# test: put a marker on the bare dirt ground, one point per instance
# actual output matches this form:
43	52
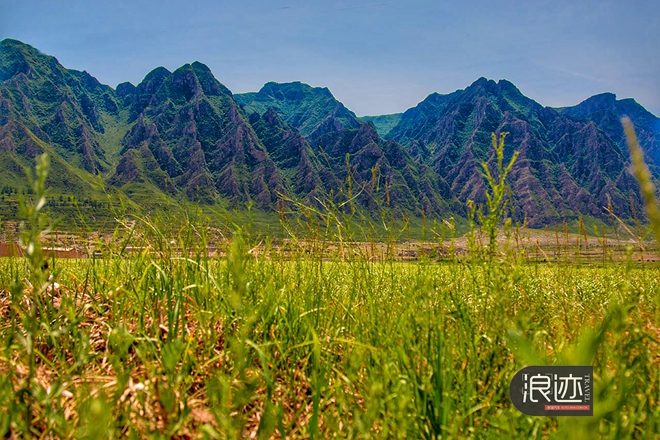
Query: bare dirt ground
530	244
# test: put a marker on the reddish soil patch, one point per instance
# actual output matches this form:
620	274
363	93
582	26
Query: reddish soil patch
14	250
10	250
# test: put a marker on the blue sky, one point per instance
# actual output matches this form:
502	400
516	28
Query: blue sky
376	56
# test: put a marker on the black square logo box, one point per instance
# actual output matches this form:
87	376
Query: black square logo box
557	390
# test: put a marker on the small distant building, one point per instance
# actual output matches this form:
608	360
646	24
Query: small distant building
63	252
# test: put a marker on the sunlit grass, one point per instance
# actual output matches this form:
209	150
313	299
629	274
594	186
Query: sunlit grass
167	345
160	338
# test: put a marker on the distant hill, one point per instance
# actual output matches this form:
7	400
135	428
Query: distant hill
303	107
183	135
606	112
66	113
569	166
384	124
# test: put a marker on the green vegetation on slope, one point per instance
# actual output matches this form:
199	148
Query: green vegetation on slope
303	107
183	136
568	167
383	123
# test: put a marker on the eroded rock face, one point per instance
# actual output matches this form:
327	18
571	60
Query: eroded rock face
605	111
185	133
305	108
45	103
200	138
569	164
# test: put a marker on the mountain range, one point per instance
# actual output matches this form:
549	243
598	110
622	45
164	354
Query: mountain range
183	135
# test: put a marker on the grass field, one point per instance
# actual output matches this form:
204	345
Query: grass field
316	338
173	345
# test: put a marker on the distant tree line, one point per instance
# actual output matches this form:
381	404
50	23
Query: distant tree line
9	190
61	201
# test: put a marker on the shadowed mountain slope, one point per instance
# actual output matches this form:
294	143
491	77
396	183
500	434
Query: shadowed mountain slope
183	135
567	166
606	112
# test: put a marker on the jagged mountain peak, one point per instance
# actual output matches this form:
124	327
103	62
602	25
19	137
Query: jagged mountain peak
606	98
499	89
184	83
17	57
208	82
482	82
592	104
199	66
157	74
153	80
293	91
606	111
608	102
125	88
9	45
161	86
9	42
505	83
60	107
306	108
586	140
484	86
138	98
183	133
